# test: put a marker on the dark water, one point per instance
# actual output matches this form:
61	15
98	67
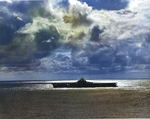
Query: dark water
25	85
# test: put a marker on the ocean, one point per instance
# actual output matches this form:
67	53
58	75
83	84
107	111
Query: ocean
39	100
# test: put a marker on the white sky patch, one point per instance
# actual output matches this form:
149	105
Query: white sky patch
53	8
10	1
19	18
138	44
67	54
77	7
136	5
25	0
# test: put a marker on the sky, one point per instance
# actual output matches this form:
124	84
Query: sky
99	38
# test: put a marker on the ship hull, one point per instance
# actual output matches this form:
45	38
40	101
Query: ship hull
86	85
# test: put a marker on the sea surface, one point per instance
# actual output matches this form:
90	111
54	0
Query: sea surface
39	100
46	85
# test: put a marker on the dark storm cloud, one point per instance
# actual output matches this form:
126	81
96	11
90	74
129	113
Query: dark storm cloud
5	28
107	4
10	22
118	56
103	56
11	50
148	38
21	8
26	48
23	48
95	34
19	51
93	56
46	41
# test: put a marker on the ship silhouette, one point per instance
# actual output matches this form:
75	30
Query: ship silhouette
82	83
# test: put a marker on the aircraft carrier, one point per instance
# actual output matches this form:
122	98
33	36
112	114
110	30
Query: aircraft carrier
82	83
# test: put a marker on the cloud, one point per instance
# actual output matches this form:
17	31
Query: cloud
19	51
10	22
110	38
46	41
58	62
77	13
25	43
114	57
28	47
95	32
9	25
